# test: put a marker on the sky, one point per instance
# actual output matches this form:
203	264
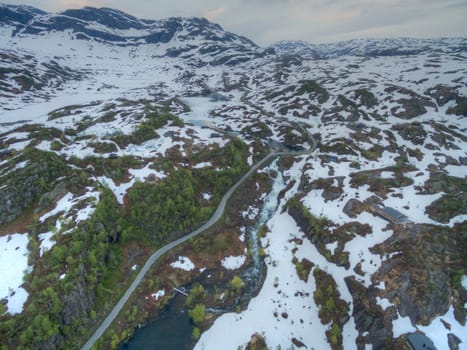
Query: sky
315	21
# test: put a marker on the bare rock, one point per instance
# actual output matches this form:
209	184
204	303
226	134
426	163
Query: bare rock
353	208
257	342
417	280
48	198
453	342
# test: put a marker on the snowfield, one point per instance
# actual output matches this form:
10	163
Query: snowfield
13	266
388	126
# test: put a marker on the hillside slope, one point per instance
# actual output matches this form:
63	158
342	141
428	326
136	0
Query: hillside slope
119	135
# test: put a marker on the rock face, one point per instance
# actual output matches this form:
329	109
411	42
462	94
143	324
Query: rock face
369	317
12	205
79	302
417	279
27	185
48	198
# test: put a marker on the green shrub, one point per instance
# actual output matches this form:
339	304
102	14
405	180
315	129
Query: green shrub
197	314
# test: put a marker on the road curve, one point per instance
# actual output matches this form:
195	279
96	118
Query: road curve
214	218
154	257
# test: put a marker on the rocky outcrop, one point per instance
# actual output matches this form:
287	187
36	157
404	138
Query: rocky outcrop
411	106
418	278
353	208
453	342
369	317
442	94
77	305
27	185
256	342
333	187
413	132
79	301
48	198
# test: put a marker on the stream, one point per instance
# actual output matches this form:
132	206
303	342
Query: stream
171	329
255	272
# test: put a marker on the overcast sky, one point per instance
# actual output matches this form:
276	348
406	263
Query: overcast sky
315	21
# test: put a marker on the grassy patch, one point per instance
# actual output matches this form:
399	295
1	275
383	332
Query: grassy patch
303	268
332	308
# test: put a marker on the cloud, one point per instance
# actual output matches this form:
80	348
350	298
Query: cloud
267	21
213	14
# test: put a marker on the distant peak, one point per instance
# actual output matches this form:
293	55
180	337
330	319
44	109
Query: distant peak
23	8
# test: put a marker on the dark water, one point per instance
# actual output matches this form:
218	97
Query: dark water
172	329
169	331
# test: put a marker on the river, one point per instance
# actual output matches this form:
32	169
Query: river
172	329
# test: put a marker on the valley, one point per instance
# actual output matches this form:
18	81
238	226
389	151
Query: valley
302	196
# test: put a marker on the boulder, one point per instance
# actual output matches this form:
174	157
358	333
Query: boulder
353	208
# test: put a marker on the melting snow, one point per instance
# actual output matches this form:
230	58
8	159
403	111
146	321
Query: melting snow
464	282
159	294
383	302
46	242
13	265
233	262
207	196
302	314
202	165
402	325
183	263
438	333
332	246
118	190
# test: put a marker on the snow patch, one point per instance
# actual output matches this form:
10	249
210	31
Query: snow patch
183	263
13	266
233	262
464	282
47	242
159	294
332	246
383	302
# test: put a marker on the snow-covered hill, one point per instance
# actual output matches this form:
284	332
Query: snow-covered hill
194	38
372	47
96	104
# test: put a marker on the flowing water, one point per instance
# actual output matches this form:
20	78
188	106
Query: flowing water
269	208
172	329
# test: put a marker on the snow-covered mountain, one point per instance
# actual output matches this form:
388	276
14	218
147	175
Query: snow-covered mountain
119	135
186	37
372	47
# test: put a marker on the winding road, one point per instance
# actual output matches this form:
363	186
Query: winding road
160	252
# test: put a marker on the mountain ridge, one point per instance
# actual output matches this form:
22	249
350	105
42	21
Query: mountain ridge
370	47
31	20
111	147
